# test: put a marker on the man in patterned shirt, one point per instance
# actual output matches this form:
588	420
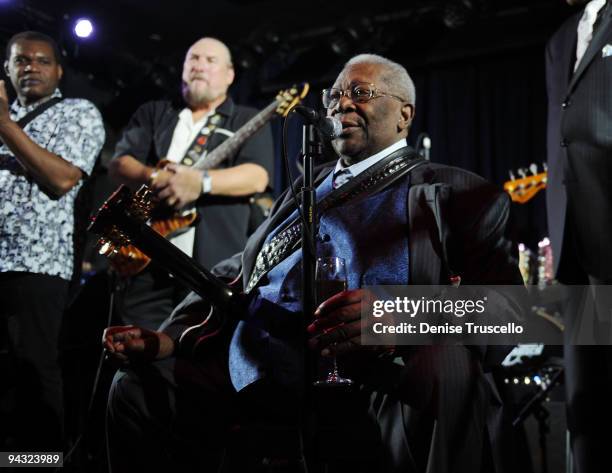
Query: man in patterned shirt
48	145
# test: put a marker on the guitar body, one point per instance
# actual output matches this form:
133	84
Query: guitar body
212	334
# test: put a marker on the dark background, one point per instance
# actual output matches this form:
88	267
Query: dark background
478	65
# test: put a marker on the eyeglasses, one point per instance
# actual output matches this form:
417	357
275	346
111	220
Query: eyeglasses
358	93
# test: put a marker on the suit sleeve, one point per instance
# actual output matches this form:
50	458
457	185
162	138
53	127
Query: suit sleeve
485	256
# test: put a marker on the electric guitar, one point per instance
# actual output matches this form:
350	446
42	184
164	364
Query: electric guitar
119	223
130	260
524	188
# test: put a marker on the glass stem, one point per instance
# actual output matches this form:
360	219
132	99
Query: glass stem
334	373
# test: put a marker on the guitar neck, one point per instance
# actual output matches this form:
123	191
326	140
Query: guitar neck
113	219
185	269
229	147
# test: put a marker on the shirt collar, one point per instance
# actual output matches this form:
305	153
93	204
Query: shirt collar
361	166
186	116
16	107
225	108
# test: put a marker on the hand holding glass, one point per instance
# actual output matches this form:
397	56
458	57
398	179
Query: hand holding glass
330	278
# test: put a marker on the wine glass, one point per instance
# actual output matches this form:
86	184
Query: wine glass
330	279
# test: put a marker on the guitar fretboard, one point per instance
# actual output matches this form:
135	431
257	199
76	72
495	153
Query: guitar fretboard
229	147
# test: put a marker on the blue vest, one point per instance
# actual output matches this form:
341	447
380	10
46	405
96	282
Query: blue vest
370	233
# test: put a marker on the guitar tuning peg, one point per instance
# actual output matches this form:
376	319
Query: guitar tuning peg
545	166
512	176
522	172
533	167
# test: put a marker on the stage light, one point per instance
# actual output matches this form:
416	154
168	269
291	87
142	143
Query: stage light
83	28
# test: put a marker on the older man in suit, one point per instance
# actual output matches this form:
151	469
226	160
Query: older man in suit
579	203
425	226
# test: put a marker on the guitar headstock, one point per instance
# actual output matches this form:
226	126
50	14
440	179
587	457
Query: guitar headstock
289	98
527	185
107	223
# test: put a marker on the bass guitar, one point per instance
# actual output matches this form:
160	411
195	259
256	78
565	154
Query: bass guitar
525	187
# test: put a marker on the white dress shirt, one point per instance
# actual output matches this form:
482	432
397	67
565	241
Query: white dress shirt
361	166
184	133
585	28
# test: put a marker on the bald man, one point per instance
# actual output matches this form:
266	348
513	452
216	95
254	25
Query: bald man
166	130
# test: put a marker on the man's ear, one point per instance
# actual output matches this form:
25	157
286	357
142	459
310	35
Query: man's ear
407	115
60	72
6	68
231	74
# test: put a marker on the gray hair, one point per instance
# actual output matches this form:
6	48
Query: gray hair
395	76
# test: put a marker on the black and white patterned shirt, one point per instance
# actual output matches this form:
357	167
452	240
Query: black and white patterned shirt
36	230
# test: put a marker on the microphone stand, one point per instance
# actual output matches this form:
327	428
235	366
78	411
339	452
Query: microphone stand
311	150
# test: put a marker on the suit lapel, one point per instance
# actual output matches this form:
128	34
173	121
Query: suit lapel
597	42
566	50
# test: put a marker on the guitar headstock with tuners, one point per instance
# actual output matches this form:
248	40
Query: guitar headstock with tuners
528	184
289	98
121	222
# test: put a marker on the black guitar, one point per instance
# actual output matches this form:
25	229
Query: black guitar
121	221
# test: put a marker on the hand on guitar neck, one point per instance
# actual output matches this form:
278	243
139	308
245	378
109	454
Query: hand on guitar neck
126	344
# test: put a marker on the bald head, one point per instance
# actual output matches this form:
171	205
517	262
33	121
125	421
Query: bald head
212	45
207	73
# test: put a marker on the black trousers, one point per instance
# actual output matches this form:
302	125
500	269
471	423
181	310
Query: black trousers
31	404
588	378
588	368
426	416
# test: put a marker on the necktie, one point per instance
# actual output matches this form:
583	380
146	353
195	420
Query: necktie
585	28
342	177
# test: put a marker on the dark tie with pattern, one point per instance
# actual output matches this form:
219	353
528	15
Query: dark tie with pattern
342	177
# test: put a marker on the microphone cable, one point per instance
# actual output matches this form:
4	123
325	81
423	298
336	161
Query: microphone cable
94	389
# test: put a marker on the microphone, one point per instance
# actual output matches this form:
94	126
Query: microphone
329	127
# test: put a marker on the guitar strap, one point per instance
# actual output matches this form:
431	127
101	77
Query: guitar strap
373	179
200	144
28	117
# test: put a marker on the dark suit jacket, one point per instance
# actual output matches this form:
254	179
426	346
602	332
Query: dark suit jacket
579	194
457	224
